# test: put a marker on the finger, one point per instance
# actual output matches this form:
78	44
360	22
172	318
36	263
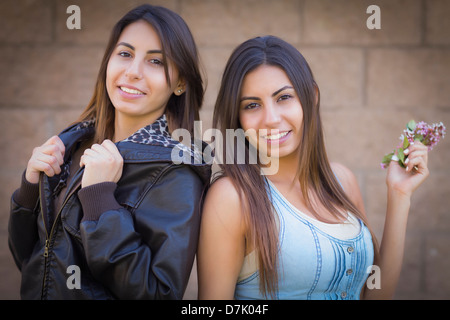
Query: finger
109	144
101	150
106	153
55	140
417	143
60	144
415	153
417	163
51	150
42	166
417	146
85	159
91	152
50	160
111	147
97	154
113	151
418	154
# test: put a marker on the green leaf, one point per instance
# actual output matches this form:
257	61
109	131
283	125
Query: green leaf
405	142
387	158
411	125
401	157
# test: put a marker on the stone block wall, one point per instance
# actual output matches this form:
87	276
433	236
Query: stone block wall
372	83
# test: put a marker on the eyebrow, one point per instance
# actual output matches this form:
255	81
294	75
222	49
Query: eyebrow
133	48
273	94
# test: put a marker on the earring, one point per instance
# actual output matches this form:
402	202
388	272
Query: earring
180	90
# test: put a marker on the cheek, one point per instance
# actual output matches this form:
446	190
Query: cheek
249	125
109	85
111	73
157	82
295	116
246	121
300	122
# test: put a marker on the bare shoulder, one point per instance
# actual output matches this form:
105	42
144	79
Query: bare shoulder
346	177
344	174
223	205
223	191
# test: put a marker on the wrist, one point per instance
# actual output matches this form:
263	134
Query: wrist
32	176
398	199
398	193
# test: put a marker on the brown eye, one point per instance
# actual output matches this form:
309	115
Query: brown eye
284	97
124	54
156	62
251	106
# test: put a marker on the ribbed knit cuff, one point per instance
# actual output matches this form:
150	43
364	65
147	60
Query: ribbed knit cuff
96	199
27	195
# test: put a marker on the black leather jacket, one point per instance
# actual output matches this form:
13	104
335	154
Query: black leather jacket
143	248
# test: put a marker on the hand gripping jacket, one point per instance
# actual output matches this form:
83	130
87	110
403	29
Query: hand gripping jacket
142	246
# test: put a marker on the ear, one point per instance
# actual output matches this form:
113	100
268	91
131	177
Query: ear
180	88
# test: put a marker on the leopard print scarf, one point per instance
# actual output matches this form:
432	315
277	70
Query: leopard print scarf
157	134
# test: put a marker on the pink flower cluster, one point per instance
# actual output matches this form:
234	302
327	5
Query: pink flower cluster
429	135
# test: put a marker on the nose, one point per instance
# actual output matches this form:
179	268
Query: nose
272	115
134	70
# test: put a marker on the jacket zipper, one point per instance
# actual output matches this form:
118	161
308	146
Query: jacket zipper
49	236
46	248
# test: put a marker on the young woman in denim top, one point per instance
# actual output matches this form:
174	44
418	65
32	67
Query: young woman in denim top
301	232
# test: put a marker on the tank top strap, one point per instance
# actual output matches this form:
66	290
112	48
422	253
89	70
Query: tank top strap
339	181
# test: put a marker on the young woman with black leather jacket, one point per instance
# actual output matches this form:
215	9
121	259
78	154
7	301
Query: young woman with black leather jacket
103	212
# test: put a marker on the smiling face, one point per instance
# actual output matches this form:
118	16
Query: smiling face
270	106
135	78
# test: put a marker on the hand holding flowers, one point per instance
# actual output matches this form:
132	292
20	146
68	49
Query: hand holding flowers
428	135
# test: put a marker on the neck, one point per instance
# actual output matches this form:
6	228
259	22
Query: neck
286	171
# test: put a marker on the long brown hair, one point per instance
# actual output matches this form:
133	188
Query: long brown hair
313	172
178	46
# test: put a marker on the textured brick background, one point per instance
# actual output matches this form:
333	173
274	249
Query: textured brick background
372	83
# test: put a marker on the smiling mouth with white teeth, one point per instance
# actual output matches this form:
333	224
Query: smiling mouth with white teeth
277	136
131	91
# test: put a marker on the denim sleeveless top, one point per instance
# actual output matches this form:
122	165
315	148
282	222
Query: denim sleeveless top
313	265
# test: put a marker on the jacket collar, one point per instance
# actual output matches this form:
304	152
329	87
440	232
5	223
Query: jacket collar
157	135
